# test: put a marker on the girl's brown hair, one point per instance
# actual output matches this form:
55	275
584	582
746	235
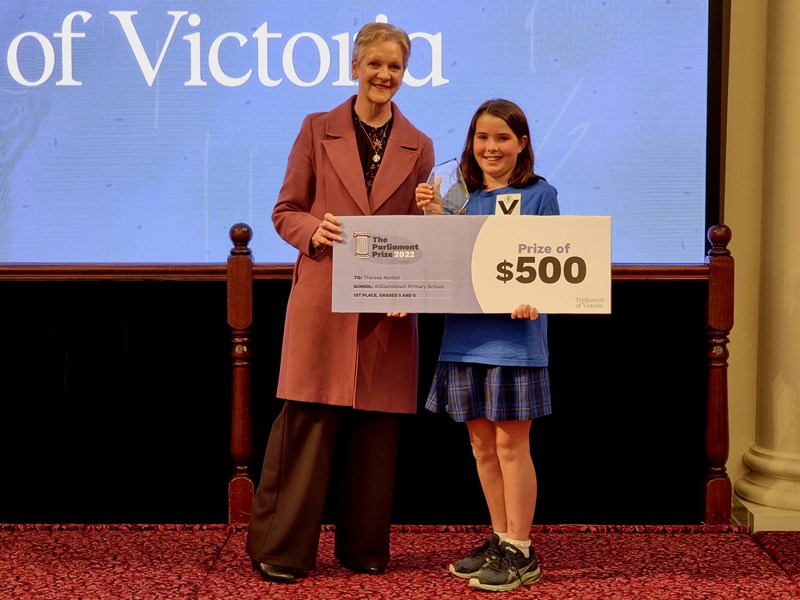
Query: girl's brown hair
513	115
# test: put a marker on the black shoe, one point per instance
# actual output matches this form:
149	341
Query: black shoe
508	571
480	557
276	573
370	570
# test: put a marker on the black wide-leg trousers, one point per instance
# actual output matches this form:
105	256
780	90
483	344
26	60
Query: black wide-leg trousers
311	446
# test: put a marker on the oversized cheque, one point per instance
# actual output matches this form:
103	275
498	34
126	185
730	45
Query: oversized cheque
473	264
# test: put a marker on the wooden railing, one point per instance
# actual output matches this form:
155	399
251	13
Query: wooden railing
717	271
240	319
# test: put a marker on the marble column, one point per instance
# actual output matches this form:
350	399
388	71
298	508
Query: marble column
768	496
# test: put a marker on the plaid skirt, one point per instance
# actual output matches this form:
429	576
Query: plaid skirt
468	391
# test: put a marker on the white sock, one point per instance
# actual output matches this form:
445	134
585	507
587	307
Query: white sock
523	545
503	536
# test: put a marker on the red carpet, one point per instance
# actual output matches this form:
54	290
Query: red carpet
578	562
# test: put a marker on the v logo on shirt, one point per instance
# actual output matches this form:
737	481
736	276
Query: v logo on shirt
508	204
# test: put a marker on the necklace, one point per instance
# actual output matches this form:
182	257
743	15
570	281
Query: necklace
376	158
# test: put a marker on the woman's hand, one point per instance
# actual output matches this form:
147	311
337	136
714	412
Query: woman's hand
525	311
396	314
327	233
429	198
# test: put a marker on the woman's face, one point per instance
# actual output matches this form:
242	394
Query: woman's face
496	148
379	72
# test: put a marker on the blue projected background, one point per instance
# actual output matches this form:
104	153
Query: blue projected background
140	131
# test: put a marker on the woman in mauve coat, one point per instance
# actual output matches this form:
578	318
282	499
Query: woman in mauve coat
345	377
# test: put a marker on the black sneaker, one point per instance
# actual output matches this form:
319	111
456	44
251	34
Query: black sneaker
508	571
481	556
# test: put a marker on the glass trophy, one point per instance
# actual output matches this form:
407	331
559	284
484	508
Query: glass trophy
453	190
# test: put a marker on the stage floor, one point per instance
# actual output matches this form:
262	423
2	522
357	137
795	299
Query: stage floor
578	562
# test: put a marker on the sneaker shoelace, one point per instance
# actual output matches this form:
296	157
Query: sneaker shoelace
504	562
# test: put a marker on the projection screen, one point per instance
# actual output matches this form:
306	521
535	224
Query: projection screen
140	131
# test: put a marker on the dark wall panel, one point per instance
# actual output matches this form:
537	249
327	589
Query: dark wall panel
115	407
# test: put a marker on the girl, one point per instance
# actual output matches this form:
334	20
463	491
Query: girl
492	370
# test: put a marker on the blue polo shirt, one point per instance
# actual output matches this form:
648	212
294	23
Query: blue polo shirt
497	339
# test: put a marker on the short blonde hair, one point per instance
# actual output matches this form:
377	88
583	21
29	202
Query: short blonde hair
373	33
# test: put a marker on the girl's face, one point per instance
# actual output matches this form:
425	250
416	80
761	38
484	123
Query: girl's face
495	148
379	72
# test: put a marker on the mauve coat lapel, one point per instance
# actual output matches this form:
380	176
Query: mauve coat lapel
398	161
342	151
